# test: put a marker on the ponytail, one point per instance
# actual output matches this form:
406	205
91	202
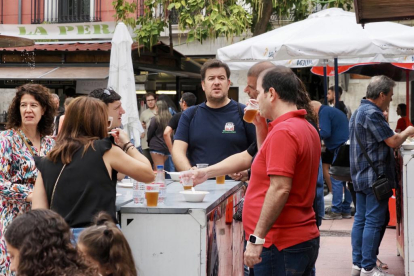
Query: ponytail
105	243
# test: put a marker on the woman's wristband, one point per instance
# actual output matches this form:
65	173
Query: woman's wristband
125	145
130	146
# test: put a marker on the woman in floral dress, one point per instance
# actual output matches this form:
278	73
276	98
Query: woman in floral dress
30	120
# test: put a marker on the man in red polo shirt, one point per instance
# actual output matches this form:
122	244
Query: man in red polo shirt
278	217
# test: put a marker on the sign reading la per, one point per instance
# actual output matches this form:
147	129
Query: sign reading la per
72	31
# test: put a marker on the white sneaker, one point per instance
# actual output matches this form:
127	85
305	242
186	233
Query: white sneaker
328	197
376	271
356	270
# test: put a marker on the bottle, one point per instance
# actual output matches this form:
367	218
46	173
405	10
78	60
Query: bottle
138	192
160	180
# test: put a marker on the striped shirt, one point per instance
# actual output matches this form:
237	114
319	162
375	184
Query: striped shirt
372	129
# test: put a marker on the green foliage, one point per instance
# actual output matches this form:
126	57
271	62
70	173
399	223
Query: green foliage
211	18
203	19
123	12
295	10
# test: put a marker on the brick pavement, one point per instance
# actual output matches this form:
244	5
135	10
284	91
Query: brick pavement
335	254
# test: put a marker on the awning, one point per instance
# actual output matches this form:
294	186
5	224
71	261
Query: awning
184	74
53	73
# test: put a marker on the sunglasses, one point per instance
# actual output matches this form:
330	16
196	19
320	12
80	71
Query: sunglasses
110	119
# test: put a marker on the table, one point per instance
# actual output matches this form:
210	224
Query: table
183	238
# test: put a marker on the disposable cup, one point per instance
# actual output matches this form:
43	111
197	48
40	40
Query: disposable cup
250	111
220	179
151	194
186	180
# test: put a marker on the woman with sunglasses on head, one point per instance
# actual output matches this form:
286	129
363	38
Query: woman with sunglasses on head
29	123
77	179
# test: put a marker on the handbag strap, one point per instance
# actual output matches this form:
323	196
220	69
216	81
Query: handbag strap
25	142
54	187
363	148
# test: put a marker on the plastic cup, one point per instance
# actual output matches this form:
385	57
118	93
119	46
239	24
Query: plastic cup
250	111
151	194
220	179
186	180
201	166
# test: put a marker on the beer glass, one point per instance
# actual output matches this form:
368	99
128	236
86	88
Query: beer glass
186	180
151	194
250	111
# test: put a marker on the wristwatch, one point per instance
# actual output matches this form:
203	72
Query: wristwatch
256	240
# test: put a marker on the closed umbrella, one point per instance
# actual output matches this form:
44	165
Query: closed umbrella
122	80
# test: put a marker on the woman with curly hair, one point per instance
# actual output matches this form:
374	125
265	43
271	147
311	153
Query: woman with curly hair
29	123
105	247
39	244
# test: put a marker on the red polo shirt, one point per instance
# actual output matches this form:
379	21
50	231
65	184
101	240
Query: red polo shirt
292	148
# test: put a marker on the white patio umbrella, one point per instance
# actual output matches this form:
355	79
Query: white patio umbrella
328	34
331	34
121	79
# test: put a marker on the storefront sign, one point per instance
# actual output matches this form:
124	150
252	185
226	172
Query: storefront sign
86	86
75	31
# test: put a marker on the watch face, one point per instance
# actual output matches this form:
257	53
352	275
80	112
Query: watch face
252	239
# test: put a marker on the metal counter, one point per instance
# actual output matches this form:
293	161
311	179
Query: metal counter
175	203
182	238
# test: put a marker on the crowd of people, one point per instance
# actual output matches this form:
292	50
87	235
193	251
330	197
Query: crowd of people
58	172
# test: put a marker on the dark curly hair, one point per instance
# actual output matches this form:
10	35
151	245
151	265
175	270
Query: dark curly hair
44	97
105	243
303	102
43	239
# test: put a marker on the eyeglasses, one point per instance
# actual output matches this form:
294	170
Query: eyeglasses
151	100
110	119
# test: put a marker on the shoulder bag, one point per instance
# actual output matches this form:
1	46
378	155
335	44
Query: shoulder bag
54	187
340	167
381	187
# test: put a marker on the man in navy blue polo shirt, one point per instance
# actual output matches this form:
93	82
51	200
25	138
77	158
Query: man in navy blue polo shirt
378	139
333	129
213	130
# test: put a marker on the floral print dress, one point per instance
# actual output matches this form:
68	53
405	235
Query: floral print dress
17	178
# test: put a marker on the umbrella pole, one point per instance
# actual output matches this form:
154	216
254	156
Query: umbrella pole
325	85
407	96
336	82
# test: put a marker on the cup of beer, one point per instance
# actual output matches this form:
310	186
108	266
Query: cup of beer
151	194
250	111
186	180
220	179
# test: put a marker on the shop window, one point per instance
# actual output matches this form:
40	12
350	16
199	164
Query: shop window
65	11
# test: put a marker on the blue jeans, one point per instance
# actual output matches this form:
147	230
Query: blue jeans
75	233
295	260
339	205
366	232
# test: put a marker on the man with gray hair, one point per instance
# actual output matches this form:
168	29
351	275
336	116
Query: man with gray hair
377	138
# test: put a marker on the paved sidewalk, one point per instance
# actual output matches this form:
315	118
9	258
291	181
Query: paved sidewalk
335	253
